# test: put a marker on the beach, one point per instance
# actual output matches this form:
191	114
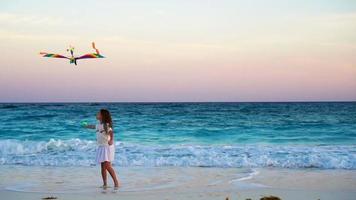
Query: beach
181	151
179	100
21	182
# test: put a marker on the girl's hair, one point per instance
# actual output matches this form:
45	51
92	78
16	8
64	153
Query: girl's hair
106	119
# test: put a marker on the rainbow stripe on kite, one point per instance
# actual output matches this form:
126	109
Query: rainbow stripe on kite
51	55
72	58
90	55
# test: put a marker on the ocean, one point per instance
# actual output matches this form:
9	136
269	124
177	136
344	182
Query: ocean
227	135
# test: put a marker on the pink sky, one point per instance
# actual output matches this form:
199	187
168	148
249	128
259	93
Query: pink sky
192	51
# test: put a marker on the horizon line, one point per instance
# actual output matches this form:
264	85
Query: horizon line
183	102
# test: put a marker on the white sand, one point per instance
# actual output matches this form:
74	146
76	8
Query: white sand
28	183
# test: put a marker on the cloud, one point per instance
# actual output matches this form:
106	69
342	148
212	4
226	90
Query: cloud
37	20
21	36
346	17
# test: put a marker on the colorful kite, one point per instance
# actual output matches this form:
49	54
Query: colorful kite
74	59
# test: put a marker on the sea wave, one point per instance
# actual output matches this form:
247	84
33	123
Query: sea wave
77	152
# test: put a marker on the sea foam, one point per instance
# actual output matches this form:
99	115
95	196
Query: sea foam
77	152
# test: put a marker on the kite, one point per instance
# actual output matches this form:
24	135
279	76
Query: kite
74	59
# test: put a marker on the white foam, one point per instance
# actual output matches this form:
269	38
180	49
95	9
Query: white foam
76	152
253	173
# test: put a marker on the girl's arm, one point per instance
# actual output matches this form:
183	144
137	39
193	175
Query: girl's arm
111	133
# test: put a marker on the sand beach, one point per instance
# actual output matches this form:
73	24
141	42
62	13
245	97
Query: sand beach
35	183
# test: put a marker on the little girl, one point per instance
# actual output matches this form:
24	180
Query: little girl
106	150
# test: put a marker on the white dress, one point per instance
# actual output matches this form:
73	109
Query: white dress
105	152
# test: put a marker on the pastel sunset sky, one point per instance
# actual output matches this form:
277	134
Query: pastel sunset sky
194	50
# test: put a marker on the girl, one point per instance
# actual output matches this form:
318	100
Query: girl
106	149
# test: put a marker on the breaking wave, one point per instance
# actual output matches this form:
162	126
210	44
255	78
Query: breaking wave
76	152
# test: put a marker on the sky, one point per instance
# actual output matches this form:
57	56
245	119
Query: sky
177	50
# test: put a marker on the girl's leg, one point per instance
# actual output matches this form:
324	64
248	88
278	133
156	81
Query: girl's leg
104	174
112	173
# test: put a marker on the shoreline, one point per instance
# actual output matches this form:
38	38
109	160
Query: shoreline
30	182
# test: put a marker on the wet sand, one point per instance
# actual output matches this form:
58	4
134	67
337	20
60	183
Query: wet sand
22	182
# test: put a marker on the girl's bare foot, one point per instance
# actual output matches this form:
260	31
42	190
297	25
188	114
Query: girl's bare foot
117	185
104	187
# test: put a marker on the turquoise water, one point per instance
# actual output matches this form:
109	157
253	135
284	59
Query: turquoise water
291	135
